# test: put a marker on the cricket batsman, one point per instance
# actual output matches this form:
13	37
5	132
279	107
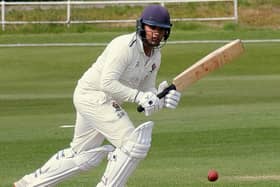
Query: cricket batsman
125	72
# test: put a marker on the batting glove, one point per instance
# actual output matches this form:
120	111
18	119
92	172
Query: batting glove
170	100
149	101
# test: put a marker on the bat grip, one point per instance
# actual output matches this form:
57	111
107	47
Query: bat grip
159	95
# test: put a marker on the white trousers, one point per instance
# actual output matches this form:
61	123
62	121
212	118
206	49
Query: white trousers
98	117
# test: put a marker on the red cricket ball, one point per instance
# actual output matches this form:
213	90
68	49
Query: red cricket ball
213	175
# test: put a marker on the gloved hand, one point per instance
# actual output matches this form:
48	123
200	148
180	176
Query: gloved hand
149	101
170	100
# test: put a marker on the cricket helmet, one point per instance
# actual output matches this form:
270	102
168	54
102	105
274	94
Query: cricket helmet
154	15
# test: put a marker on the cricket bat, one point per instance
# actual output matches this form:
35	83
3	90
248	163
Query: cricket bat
201	68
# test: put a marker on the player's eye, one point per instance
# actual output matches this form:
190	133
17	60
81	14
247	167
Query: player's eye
157	29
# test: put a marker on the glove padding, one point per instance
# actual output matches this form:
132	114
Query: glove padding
171	99
149	101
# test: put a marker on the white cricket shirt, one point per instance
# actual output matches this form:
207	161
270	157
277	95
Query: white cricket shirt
122	69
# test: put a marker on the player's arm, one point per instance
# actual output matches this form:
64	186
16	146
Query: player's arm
116	61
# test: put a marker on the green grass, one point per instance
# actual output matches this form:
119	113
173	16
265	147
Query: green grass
252	14
228	121
104	37
258	2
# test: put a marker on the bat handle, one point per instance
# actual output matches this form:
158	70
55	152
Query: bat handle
159	95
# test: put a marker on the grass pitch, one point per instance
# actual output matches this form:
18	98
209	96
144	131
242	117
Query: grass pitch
228	121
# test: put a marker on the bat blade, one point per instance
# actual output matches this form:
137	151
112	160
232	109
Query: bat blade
209	63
